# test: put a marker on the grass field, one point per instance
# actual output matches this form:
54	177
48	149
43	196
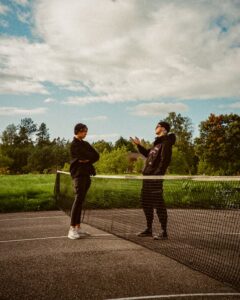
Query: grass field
26	192
36	192
121	193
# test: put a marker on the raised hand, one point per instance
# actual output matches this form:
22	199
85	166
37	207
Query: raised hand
135	140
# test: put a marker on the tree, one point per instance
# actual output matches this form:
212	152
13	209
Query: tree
114	162
121	142
42	135
5	163
138	165
61	152
20	154
40	159
17	144
25	130
102	145
8	138
182	127
9	135
219	144
179	164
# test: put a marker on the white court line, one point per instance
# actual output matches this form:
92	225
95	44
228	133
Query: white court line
32	218
53	237
178	296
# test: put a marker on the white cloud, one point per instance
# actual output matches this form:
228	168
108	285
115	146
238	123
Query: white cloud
50	100
21	87
25	66
235	105
4	9
145	49
94	99
131	50
13	111
157	109
96	118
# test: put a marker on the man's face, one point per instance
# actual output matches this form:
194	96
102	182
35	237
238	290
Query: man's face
159	129
82	134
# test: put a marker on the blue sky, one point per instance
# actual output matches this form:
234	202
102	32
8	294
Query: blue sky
119	67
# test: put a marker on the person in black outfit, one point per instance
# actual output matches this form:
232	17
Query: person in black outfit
83	156
157	162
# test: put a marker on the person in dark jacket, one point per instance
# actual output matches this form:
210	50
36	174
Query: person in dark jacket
83	156
158	159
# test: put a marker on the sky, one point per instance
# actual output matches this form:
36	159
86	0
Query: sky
119	66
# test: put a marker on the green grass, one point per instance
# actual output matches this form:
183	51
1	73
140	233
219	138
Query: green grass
27	192
121	193
177	194
36	192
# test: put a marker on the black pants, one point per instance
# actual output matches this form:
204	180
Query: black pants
81	186
152	197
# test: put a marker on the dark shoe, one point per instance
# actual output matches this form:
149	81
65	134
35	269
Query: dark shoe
146	232
161	236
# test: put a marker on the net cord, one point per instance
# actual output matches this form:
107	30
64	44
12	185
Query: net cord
177	177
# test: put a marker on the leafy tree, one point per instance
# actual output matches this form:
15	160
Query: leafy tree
179	164
9	135
25	131
17	145
114	162
219	144
19	153
61	152
102	145
138	165
121	142
8	138
182	127
5	163
20	157
40	159
42	135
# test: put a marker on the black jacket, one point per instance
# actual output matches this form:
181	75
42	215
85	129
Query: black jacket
159	156
81	150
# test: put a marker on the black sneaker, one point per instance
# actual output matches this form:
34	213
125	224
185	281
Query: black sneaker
161	236
146	232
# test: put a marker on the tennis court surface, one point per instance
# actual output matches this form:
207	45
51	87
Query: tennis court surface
38	261
203	214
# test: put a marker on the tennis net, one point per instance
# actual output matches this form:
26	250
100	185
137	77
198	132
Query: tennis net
203	216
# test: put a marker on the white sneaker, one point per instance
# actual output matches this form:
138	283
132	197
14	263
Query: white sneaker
73	234
82	232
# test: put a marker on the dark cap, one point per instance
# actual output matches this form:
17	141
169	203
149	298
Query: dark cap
80	127
165	125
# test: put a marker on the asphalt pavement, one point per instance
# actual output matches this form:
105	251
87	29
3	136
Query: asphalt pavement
38	261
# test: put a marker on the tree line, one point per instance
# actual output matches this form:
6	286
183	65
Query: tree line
27	148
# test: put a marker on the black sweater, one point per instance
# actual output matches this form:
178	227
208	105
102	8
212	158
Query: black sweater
159	156
82	150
